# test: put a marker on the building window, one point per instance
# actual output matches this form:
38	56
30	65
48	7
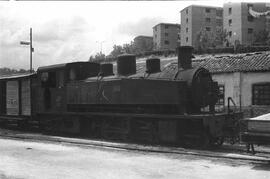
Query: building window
166	26
249	5
250	30
155	28
48	79
61	80
207	10
221	95
207	19
230	11
186	20
261	94
219	13
230	33
230	22
166	42
221	98
208	29
186	30
186	39
186	11
250	18
219	22
166	34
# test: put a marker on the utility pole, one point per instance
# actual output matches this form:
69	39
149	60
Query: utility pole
101	42
31	49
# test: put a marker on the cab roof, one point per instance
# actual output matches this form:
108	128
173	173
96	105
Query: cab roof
62	66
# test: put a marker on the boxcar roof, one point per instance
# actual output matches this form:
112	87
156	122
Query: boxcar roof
17	76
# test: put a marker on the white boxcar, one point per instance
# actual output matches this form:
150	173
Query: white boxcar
256	130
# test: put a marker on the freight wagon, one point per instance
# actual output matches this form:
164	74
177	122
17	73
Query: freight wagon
16	99
256	130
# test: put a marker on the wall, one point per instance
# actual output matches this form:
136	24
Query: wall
226	80
237	84
156	37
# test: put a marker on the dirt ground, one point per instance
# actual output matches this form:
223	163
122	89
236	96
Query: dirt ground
25	159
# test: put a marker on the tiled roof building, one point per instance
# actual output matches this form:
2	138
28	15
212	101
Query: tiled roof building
238	63
244	77
253	62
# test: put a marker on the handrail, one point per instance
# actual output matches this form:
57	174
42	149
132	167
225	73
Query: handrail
229	99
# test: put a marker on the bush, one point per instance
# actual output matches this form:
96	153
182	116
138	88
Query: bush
238	49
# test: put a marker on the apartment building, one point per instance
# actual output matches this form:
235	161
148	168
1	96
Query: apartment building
240	24
166	36
268	18
196	19
143	43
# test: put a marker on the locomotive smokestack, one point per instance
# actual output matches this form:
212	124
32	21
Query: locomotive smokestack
184	57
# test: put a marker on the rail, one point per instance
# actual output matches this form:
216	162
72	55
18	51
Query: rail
223	153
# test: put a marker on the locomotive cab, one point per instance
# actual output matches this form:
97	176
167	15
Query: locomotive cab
53	80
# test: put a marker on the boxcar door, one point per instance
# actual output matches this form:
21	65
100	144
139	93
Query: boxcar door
12	97
2	97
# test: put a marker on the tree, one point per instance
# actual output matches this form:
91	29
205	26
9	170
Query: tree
8	71
125	48
204	40
117	50
221	37
129	48
99	57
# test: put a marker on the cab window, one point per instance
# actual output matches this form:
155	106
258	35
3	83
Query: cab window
48	79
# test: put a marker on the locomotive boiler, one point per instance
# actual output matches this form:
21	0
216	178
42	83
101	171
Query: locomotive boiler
156	106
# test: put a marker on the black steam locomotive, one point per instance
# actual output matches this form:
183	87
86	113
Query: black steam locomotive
154	106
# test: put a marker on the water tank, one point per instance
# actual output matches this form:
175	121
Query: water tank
152	65
106	69
126	64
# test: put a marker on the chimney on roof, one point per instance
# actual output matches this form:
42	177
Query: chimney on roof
184	57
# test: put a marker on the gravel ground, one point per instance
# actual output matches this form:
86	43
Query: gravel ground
24	159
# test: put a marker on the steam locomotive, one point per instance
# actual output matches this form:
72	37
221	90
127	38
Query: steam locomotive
154	106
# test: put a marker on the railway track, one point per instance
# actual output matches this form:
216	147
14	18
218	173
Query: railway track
225	152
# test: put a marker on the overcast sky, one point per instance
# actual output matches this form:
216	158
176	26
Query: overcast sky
72	31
